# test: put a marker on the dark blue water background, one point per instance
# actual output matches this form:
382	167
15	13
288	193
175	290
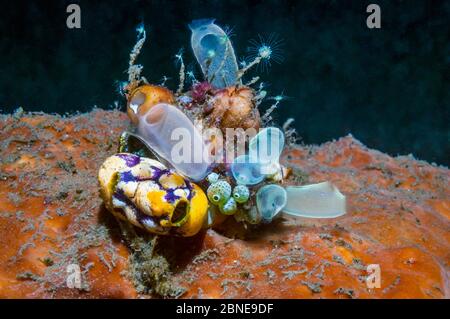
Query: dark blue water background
388	87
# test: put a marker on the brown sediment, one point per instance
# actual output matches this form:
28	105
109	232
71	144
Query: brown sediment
51	216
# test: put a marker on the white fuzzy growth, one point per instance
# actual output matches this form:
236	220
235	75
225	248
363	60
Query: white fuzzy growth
134	70
290	132
182	73
252	81
267	117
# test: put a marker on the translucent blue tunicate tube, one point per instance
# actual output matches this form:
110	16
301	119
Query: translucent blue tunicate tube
214	53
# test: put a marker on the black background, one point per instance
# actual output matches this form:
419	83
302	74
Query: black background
388	87
337	308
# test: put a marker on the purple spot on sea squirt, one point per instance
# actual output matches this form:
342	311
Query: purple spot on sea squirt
142	218
128	177
170	196
130	159
190	188
158	172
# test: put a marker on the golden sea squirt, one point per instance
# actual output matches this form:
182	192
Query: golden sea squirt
145	193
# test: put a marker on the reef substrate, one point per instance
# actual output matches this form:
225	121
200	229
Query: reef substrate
52	218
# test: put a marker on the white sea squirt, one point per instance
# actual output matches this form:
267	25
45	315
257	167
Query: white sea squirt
214	52
246	171
266	148
322	200
172	135
270	200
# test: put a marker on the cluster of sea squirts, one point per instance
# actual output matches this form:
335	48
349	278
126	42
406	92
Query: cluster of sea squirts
159	193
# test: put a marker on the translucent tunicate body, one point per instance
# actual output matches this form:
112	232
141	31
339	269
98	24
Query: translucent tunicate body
246	171
214	53
322	200
270	200
213	177
266	148
172	135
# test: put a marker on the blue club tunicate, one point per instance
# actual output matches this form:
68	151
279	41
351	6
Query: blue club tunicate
246	171
214	53
212	178
266	147
270	200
